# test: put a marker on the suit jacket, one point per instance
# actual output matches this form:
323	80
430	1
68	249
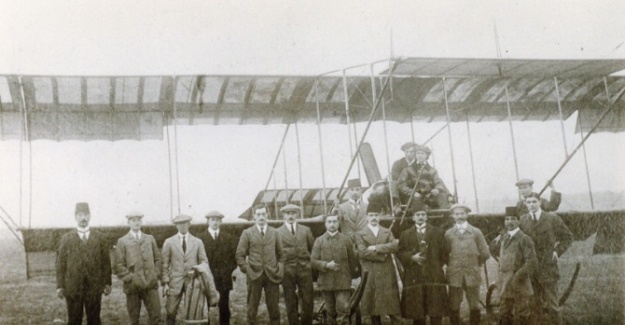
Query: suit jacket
546	205
176	264
138	263
350	219
340	249
517	262
381	294
257	254
550	235
428	275
467	253
296	248
428	181
398	167
221	259
83	267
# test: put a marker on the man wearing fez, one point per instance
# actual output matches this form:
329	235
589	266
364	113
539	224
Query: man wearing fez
376	245
297	241
183	255
422	182
138	262
260	256
422	253
333	256
525	187
352	214
220	247
83	269
468	251
517	261
551	239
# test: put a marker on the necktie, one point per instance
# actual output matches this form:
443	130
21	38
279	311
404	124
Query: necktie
184	245
533	217
84	238
262	233
216	234
504	240
293	229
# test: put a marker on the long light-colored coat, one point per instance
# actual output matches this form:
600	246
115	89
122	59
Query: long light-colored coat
257	254
138	262
340	249
381	294
517	262
549	234
176	264
467	253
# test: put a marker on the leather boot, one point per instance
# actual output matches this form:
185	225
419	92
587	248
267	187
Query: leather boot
454	317
474	317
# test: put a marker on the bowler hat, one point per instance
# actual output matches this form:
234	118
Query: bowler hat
214	214
408	145
353	183
524	181
182	218
82	207
289	207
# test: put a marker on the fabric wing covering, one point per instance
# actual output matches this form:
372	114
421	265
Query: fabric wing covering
122	107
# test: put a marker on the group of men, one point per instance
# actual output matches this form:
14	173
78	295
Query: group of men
439	267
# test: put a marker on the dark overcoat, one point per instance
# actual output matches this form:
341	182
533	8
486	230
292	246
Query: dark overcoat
381	294
517	262
550	234
220	254
425	291
83	267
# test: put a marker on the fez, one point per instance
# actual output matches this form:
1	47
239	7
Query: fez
289	207
82	207
353	183
374	208
214	214
182	218
524	181
134	214
511	211
459	206
416	206
408	145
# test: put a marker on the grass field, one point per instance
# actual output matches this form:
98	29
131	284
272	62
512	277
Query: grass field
598	298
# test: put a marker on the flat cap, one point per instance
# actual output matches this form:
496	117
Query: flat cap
182	218
460	206
214	214
524	181
134	214
353	183
82	207
408	145
424	149
289	207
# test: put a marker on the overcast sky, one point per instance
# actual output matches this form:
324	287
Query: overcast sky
224	167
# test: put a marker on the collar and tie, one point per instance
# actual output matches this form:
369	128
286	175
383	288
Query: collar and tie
421	229
262	231
293	229
184	244
214	234
84	235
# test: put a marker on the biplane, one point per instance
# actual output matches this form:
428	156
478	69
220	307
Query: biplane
409	91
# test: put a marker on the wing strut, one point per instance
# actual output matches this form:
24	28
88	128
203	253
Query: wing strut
323	171
603	115
451	147
477	204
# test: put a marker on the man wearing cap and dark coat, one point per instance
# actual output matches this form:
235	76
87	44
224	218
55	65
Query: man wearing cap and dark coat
552	238
138	262
352	214
514	250
220	247
422	182
376	245
183	255
83	269
261	257
410	150
422	252
333	256
525	187
468	251
297	241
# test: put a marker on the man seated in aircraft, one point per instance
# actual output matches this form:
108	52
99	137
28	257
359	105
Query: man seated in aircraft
410	151
421	181
525	188
352	213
